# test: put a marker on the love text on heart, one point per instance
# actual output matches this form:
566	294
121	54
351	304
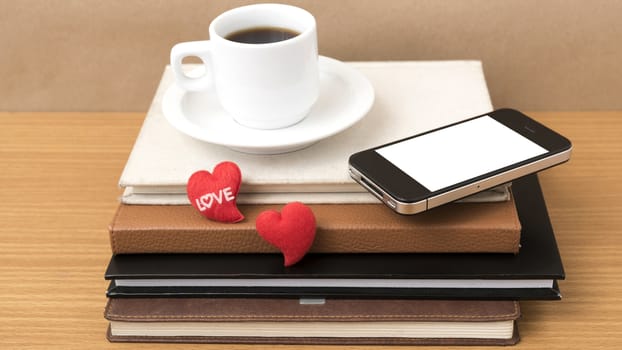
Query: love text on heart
208	200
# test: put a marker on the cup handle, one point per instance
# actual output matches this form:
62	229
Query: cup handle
200	49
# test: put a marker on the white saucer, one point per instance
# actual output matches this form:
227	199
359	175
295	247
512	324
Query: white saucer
345	98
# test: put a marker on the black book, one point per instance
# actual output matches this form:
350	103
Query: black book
530	274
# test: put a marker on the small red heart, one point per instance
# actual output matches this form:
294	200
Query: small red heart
292	230
214	195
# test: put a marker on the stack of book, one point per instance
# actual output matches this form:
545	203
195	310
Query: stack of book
453	275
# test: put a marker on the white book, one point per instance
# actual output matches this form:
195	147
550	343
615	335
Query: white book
410	97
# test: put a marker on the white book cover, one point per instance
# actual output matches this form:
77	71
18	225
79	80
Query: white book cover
410	97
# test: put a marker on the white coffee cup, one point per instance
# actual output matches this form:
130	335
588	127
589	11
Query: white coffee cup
261	85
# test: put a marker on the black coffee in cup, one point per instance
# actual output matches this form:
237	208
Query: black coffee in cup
262	60
262	35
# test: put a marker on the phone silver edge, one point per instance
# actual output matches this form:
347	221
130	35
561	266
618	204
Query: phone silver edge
461	192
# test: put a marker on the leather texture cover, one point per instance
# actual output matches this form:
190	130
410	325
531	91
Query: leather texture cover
538	259
178	310
341	228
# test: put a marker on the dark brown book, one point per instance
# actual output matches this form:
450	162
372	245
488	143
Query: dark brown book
341	228
312	321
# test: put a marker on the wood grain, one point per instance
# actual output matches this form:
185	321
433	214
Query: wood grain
58	192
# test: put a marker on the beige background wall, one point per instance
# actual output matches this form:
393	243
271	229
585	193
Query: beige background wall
93	55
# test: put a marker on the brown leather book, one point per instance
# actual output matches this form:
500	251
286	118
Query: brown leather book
313	321
341	228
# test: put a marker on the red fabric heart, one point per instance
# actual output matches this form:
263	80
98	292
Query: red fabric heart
292	230
214	195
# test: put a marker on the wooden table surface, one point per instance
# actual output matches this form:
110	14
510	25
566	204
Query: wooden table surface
58	178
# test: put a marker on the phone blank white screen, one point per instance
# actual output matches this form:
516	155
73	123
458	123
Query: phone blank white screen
445	157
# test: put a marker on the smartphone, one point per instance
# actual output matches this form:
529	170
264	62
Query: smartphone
430	169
